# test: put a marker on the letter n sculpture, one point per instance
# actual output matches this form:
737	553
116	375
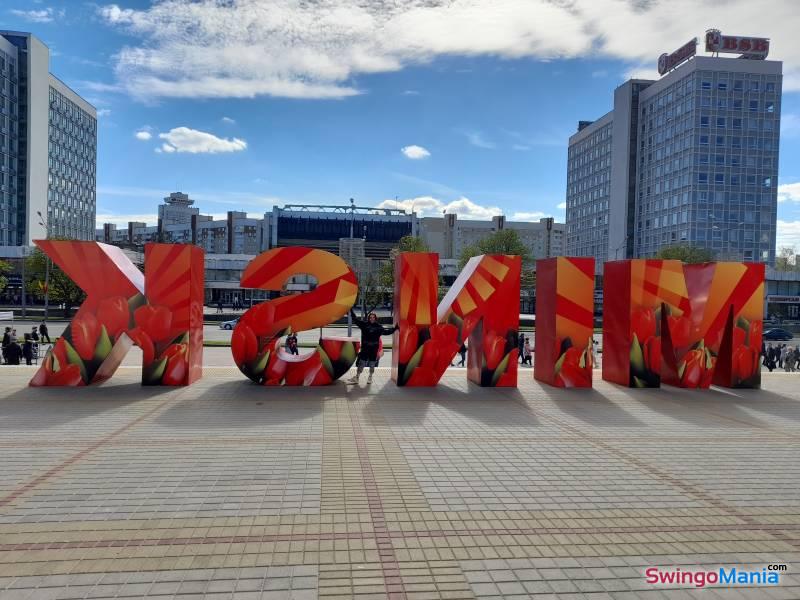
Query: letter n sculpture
564	321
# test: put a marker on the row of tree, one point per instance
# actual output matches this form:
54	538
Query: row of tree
62	290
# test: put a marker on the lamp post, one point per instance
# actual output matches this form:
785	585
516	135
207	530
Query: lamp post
46	224
737	227
352	221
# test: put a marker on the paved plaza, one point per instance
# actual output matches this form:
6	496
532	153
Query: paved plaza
229	490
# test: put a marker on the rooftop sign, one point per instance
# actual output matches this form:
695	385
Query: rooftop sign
667	62
747	47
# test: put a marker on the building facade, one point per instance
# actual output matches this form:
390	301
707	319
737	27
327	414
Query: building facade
691	158
449	236
48	148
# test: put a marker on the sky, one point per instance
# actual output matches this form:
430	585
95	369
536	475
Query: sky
462	106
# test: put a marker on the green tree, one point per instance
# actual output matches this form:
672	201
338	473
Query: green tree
5	269
686	253
407	243
505	241
785	261
62	290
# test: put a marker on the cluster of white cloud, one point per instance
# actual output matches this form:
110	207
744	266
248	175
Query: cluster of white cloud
788	234
789	192
415	152
44	15
296	48
192	141
428	206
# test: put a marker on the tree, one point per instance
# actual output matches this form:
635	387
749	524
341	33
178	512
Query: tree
505	241
686	253
5	269
785	261
62	290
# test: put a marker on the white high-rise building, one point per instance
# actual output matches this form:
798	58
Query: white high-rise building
48	148
691	158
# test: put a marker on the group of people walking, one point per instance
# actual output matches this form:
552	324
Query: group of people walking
14	349
780	356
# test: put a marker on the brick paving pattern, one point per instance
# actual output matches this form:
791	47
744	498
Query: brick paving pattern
229	490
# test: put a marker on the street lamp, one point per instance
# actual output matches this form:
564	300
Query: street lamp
727	254
46	224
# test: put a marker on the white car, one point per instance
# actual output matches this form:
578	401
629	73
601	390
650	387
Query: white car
229	324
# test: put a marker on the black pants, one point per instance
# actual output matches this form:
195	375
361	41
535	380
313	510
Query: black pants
44	335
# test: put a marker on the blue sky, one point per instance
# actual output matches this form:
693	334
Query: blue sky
463	106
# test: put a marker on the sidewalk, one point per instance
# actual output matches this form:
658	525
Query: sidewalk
237	491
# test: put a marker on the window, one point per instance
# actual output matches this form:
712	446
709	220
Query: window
719	179
770	87
737	104
702	178
703	121
753	105
770	107
706	85
704	140
722	86
721	122
767	182
754	85
737	85
737	123
720	140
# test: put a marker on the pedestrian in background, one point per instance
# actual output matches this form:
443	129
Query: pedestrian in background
463	352
27	349
44	333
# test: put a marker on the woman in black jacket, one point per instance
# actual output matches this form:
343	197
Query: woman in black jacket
371	332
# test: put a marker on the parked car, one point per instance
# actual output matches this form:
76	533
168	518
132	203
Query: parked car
778	334
229	324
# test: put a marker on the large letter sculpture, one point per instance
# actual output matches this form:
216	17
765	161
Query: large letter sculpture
689	325
161	312
482	307
719	341
564	321
255	338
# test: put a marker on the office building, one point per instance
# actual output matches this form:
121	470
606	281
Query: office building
449	236
690	158
48	148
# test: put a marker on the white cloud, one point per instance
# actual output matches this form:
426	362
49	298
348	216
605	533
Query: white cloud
562	206
528	216
295	48
789	192
788	233
228	121
600	73
410	93
184	139
103	112
520	147
790	125
46	15
143	134
476	139
428	206
415	152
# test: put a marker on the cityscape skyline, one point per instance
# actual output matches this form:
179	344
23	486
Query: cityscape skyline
398	140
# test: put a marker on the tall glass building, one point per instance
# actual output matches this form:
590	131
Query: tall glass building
691	158
48	148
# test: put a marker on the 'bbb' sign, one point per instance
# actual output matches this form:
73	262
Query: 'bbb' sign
749	47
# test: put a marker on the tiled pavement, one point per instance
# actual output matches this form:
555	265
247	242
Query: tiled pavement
228	490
